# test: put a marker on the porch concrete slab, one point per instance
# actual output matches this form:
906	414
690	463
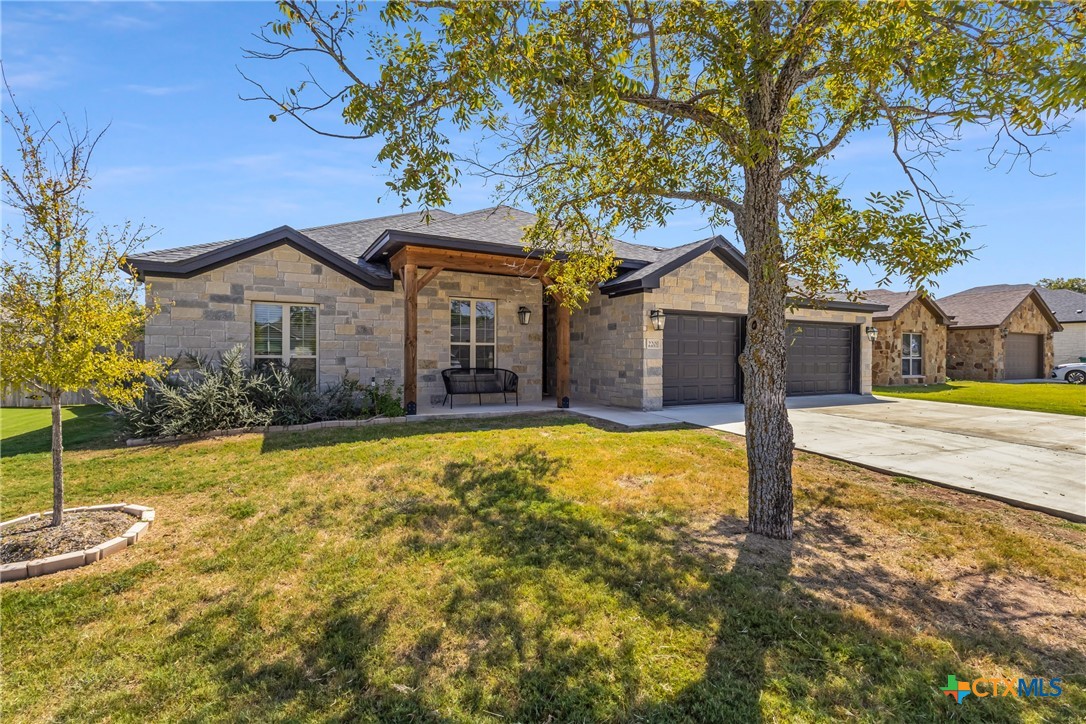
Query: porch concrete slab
1031	459
618	415
487	409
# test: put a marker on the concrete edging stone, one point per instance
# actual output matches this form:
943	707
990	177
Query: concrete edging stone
65	561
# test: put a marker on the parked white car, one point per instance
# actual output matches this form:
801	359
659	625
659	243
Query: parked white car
1075	372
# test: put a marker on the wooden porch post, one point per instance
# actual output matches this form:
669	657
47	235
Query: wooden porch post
408	276
562	391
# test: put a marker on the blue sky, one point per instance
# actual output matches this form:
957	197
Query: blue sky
185	154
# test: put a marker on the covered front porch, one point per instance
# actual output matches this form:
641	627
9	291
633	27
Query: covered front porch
480	310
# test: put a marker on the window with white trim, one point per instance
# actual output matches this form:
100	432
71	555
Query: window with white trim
472	333
286	335
912	355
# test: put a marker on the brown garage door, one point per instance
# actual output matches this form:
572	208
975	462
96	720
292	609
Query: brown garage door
820	358
700	358
1022	357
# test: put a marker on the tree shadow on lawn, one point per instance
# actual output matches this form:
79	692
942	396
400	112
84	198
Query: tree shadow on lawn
550	610
92	428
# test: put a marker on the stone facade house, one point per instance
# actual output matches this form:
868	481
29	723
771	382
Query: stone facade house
911	344
404	297
999	332
1069	308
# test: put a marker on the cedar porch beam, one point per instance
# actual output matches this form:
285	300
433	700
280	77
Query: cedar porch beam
408	273
467	261
562	387
429	276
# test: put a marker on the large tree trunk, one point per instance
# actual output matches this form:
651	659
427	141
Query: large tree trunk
769	434
58	463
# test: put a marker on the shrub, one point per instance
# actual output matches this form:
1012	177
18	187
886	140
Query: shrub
230	394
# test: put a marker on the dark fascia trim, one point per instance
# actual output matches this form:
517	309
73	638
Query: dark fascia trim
391	240
255	244
717	245
835	305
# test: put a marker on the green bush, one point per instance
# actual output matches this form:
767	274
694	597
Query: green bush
206	396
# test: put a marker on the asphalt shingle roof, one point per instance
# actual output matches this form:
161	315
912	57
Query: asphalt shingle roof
497	225
663	258
985	306
1066	304
896	301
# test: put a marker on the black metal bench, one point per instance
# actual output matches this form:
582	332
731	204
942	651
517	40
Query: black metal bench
479	381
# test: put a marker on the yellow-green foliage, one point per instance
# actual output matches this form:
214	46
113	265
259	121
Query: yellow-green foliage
70	311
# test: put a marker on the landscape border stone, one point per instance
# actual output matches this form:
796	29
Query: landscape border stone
19	570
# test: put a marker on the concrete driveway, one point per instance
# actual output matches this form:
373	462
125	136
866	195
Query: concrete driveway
1031	459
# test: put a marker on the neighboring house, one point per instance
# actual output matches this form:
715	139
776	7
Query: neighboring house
1068	307
911	343
397	297
999	332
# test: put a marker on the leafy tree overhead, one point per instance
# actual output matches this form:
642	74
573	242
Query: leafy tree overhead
608	116
69	311
1075	284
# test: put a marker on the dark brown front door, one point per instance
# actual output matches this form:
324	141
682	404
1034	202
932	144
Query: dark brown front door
700	358
1022	357
820	358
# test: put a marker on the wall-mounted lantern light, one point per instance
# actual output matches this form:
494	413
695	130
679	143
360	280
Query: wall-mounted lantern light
872	333
1004	332
524	315
657	316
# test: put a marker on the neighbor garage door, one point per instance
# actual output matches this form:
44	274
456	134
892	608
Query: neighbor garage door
1022	357
820	358
700	358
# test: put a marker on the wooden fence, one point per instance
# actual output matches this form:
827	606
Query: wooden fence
26	399
80	397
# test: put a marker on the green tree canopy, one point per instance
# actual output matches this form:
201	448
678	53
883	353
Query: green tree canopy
1075	284
612	115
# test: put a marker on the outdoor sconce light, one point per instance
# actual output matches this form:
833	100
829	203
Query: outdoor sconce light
872	333
524	315
1003	332
657	316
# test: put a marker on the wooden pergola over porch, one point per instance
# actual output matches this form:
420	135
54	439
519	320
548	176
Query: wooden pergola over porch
416	266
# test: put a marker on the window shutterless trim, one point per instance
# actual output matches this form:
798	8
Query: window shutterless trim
473	344
287	355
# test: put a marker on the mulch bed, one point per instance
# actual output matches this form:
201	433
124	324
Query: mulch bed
79	531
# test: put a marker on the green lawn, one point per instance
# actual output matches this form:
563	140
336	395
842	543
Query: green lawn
29	429
532	569
1041	397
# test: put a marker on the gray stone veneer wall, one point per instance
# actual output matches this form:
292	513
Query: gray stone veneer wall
607	350
617	357
360	330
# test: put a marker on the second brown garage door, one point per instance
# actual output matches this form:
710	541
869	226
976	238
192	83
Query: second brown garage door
700	359
1022	357
820	358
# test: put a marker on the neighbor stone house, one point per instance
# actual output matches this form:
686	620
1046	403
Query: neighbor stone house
912	336
999	332
404	297
1069	308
